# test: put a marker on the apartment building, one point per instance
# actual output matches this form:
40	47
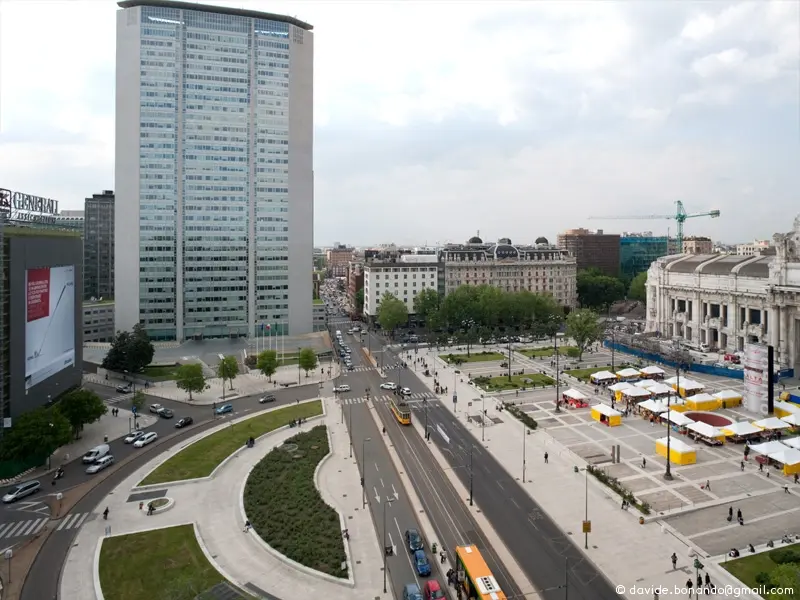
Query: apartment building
753	248
592	249
698	245
338	259
402	275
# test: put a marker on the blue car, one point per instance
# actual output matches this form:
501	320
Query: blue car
421	563
411	592
225	408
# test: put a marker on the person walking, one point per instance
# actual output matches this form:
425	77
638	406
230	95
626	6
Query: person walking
105	514
247	526
674	559
546	457
689	586
730	514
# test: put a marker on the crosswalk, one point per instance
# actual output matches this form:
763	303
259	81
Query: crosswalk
413	399
19	529
360	369
73	521
118	399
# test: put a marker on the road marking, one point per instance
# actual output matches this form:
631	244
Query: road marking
4	528
377	495
17	526
376	467
396	495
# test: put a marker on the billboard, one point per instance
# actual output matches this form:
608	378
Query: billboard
756	378
49	322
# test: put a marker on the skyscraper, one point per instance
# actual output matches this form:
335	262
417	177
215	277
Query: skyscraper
98	246
214	170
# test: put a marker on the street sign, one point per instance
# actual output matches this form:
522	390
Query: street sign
455	398
587	527
133	409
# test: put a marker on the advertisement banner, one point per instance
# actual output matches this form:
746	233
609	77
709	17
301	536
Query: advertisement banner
49	322
756	378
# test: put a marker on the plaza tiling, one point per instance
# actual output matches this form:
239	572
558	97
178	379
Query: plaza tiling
214	506
687	515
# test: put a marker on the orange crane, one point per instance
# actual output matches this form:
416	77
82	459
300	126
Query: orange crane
680	217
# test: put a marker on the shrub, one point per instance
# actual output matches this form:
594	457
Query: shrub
782	556
521	415
624	493
250	361
762	578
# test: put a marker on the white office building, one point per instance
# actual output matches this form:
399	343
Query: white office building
402	275
214	170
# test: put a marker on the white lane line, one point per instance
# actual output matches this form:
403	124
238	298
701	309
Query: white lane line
17	526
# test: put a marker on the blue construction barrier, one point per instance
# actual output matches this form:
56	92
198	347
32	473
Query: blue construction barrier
695	367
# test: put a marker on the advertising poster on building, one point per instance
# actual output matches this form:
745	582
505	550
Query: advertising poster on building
49	322
756	378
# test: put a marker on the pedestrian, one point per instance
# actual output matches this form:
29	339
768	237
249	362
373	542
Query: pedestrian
674	559
105	514
708	584
546	457
796	478
644	463
247	526
699	582
730	514
689	586
708	484
760	467
741	464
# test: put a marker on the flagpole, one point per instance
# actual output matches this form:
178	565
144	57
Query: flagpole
283	345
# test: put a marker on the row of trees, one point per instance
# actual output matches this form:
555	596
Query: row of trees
598	291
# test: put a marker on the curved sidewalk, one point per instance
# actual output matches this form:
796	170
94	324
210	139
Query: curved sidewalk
214	505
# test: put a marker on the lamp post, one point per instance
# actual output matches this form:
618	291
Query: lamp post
425	410
524	450
350	426
385	546
558	382
364	472
483	418
9	556
298	365
668	471
509	360
470	474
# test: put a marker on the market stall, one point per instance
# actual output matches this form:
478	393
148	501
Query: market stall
672	381
706	433
677	419
659	390
703	401
575	399
729	398
652	407
680	452
634	395
784	409
741	431
793	420
652	372
793	442
771	424
603	413
628	374
602	377
764	450
645	384
617	388
688	387
789	458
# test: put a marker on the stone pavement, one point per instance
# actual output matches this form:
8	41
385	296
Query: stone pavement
629	554
215	507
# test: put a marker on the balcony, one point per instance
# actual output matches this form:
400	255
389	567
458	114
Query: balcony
753	329
712	322
680	317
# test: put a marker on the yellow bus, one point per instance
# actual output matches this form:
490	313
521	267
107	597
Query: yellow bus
475	577
401	411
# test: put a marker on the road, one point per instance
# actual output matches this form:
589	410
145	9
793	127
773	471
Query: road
42	580
542	550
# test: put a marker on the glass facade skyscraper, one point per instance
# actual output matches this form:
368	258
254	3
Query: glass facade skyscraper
637	252
214	168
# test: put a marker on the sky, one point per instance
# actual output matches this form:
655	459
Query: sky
436	120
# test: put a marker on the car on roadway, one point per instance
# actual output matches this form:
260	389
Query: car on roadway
411	592
388	385
150	436
405	391
166	413
267	399
21	490
350	367
124	389
433	591
342	388
225	408
133	436
413	540
184	422
155	408
100	464
422	564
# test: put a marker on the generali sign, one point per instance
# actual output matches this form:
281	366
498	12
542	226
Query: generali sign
26	207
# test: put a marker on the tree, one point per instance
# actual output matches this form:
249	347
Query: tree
307	359
267	363
426	303
138	401
81	407
36	433
786	576
130	351
463	313
360	301
584	328
637	289
228	368
596	290
392	313
190	379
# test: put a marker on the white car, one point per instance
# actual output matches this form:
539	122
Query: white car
155	408
405	391
101	464
133	436
150	436
389	385
342	388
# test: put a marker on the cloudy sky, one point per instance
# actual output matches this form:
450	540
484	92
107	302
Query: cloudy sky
438	119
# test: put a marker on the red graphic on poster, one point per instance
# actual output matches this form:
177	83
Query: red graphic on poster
38	294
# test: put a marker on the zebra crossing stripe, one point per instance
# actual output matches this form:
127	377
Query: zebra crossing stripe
5	528
29	528
17	526
68	519
80	521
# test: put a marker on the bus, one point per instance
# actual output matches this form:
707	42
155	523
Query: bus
475	577
401	411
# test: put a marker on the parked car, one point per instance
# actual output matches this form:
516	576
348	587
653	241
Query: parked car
432	590
133	436
100	464
389	385
411	592
125	389
154	408
150	436
225	408
405	391
422	564
342	388
266	399
413	540
183	422
166	413
21	490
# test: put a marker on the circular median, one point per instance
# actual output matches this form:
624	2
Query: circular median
285	509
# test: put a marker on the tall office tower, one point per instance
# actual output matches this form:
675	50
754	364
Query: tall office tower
98	246
214	170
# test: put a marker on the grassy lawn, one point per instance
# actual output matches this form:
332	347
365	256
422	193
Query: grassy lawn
160	372
745	569
539	352
205	455
163	563
286	510
496	384
319	301
473	357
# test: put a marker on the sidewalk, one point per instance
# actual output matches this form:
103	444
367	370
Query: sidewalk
629	554
214	506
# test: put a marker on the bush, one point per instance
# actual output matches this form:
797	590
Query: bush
521	415
762	578
573	352
782	556
285	508
624	493
250	361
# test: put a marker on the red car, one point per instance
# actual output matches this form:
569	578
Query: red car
432	590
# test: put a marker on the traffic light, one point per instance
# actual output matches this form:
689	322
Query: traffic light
697	564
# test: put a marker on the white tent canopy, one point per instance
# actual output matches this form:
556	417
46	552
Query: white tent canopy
768	448
691	384
646	384
679	419
618	387
701	397
676	444
740	428
636	392
654	406
652	370
727	395
790	456
659	388
771	423
789	407
704	429
793	419
626	373
793	442
671	381
574	394
605	409
603	376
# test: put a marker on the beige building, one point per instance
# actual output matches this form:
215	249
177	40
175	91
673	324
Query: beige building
339	258
753	248
539	268
698	245
402	275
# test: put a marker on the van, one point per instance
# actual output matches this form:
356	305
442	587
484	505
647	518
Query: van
21	491
338	333
95	453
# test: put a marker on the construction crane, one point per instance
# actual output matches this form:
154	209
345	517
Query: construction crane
680	217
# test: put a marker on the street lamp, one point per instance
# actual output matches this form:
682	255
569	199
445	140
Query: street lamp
483	418
364	473
298	365
524	450
425	410
388	502
350	426
586	524
470	473
555	351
